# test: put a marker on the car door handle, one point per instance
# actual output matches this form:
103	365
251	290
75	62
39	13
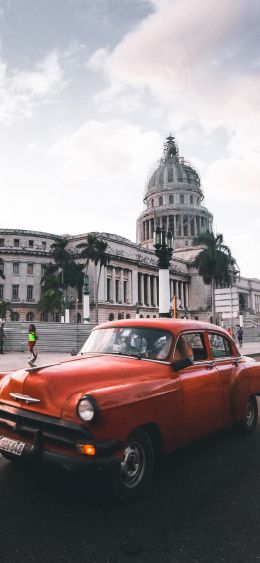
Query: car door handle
210	365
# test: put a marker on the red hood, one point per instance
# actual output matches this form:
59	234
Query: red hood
55	384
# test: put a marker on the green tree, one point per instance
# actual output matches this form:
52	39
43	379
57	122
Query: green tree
95	250
215	262
5	306
51	301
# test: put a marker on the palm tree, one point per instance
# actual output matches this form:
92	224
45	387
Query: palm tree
69	272
51	295
95	250
215	262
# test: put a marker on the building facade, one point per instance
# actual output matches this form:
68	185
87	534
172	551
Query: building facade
129	283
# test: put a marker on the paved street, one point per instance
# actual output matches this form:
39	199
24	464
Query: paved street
203	506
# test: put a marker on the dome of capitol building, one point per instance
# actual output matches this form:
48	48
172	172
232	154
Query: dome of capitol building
173	200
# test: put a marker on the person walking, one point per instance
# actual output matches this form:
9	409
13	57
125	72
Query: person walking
240	336
2	336
32	339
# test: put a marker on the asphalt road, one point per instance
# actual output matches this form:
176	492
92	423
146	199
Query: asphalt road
203	506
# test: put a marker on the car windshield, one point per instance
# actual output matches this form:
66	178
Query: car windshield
130	341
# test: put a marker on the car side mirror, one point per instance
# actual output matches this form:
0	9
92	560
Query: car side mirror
181	364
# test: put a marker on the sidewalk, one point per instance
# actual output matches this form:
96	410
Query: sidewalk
250	348
18	360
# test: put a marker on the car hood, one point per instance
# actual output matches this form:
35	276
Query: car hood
54	385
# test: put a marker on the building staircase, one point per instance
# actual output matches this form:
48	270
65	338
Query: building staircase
53	337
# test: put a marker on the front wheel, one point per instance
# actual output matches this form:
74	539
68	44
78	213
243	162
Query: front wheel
137	466
248	424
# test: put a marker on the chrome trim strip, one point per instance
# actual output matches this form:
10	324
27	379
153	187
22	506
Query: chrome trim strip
26	398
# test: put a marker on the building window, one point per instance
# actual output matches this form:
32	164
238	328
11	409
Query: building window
160	200
170	174
1	291
152	202
44	244
16	242
108	289
182	198
161	177
198	200
43	269
16	268
2	241
2	267
15	292
30	269
191	199
125	291
30	317
117	291
29	292
111	316
171	199
15	316
31	243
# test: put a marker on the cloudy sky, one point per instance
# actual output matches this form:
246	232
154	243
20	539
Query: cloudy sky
89	89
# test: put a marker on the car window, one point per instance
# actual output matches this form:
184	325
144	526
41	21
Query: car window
130	341
220	346
191	345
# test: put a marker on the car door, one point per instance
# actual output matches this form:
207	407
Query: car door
225	361
201	386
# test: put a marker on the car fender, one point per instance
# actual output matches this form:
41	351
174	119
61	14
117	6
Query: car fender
239	392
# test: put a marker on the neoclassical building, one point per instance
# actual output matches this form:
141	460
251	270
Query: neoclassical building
173	199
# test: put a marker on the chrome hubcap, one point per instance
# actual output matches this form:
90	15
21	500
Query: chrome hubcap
133	464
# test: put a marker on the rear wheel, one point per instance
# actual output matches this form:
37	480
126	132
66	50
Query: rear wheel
248	424
137	466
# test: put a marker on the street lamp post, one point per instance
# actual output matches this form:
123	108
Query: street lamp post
163	247
86	305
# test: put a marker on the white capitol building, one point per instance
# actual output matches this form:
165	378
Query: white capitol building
173	199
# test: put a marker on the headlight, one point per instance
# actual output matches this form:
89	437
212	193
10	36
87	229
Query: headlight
87	408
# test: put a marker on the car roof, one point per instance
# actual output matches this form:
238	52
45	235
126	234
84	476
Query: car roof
173	325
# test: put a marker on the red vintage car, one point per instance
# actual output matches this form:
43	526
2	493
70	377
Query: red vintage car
137	389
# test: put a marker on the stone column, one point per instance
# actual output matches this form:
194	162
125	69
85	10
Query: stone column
105	283
142	288
113	285
182	294
129	290
187	294
121	291
177	290
154	291
149	290
134	286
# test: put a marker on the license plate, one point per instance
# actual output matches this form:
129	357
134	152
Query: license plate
11	446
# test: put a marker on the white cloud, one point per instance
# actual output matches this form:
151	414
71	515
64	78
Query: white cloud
22	90
106	165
